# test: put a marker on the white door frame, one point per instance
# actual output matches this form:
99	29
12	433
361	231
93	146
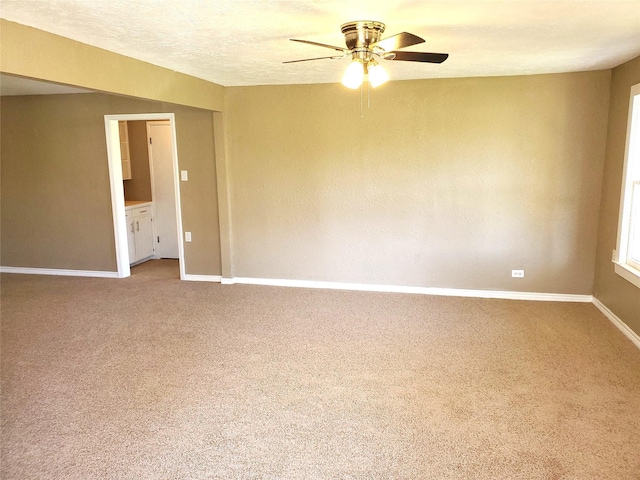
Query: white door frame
117	187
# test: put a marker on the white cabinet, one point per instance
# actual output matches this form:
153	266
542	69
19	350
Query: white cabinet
140	233
124	150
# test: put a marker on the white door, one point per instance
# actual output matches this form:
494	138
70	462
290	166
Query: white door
164	196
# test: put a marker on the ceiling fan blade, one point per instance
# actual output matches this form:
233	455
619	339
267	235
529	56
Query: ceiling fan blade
339	49
316	58
419	57
400	40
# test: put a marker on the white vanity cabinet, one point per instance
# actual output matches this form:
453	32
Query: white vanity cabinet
140	232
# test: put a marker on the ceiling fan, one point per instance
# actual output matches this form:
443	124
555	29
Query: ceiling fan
365	47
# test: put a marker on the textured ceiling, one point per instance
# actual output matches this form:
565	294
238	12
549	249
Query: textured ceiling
244	42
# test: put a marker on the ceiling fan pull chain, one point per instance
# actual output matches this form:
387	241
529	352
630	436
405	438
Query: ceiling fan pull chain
362	101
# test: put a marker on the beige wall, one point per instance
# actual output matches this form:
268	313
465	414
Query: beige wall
619	295
443	183
139	186
56	205
33	53
194	133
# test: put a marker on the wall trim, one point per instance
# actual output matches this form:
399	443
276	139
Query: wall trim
619	324
450	292
202	278
57	271
273	282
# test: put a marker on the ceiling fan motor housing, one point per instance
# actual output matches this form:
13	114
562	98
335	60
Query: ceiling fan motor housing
360	35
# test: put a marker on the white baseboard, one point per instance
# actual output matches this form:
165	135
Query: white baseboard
202	278
57	271
620	325
450	292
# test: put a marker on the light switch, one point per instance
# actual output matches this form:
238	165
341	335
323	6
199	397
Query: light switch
187	236
184	176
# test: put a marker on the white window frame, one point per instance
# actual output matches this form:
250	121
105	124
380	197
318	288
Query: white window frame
625	265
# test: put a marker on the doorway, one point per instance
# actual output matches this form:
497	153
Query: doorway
167	148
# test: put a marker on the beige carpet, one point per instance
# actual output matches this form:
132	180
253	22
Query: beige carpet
153	378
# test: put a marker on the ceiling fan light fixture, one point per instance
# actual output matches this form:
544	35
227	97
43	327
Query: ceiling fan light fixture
353	75
377	74
363	43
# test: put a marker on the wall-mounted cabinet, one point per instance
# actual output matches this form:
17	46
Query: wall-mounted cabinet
124	150
140	232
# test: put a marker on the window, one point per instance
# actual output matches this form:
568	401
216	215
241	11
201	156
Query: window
627	255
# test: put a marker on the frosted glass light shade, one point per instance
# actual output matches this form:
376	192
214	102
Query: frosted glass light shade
377	75
353	75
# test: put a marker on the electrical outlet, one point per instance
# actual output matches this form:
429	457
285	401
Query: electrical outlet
517	273
184	175
187	236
